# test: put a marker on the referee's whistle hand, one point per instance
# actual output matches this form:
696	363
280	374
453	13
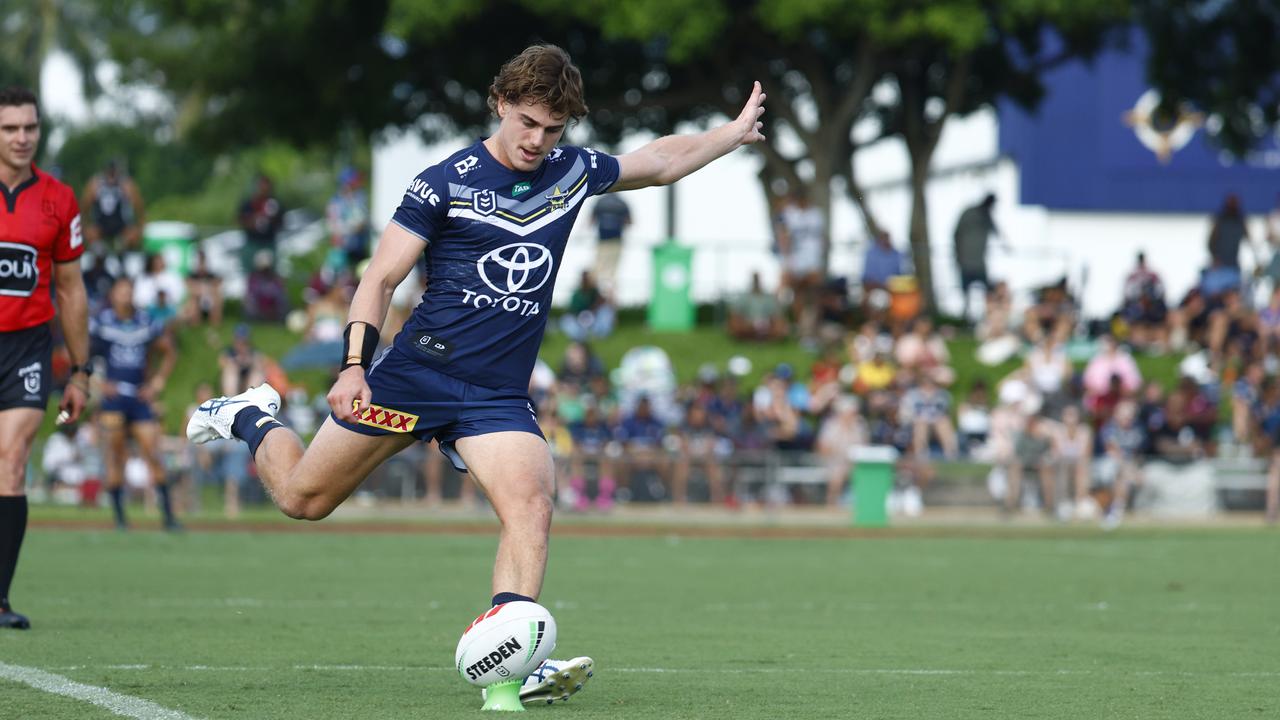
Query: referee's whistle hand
74	398
350	395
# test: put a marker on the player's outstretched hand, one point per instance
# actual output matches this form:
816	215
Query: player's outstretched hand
749	119
350	395
74	398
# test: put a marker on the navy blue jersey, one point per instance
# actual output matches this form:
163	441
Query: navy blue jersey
123	344
495	239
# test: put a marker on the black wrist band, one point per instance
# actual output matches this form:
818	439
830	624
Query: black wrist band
86	369
359	342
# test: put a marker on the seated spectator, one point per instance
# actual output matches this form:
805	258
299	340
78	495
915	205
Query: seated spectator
204	294
834	314
842	431
973	419
1200	408
701	444
322	343
997	320
1231	323
1123	439
1111	362
882	262
1049	371
926	408
757	316
594	442
1246	398
1033	446
1150	415
824	381
1053	314
1073	450
579	366
1175	441
264	296
875	374
780	414
643	438
1269	321
589	314
157	290
922	351
242	367
1143	311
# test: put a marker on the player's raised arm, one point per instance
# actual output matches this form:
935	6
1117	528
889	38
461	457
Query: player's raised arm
670	158
395	256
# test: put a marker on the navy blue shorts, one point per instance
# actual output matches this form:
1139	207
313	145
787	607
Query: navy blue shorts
409	397
133	409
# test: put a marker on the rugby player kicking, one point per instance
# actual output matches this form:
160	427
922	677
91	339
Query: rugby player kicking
40	248
493	220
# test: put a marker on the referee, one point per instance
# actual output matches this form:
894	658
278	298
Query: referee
40	247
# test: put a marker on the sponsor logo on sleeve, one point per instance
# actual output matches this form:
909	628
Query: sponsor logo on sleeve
388	419
76	238
421	192
19	274
466	165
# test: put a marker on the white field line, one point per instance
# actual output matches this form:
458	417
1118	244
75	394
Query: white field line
943	672
125	705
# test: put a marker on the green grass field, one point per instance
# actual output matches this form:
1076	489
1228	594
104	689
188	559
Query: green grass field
1053	623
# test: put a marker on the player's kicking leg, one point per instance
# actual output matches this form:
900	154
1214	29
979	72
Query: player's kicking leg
517	474
305	483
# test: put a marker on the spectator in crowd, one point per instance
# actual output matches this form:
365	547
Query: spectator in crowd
1201	410
589	314
159	290
973	420
595	443
1246	401
779	412
98	278
579	366
242	366
756	316
1123	440
1269	324
1073	451
643	438
1228	233
1231	324
204	294
802	241
1049	371
841	431
882	262
264	296
824	381
1032	453
876	373
922	351
1175	440
1143	311
926	409
113	214
261	216
1052	315
347	218
321	346
700	444
996	321
835	315
974	229
611	216
1111	362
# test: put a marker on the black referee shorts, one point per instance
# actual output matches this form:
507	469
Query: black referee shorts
25	365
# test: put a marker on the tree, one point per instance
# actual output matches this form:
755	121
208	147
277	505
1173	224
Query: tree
35	29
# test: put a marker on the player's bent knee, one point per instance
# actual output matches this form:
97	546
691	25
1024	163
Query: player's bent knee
306	507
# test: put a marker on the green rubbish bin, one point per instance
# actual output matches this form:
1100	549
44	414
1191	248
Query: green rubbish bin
671	307
176	241
872	480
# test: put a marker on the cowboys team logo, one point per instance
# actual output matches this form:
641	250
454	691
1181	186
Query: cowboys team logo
19	273
30	378
484	202
516	269
556	197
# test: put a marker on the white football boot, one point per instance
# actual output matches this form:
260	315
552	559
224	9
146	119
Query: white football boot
555	680
213	419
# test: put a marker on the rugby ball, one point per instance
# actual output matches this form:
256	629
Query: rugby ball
507	642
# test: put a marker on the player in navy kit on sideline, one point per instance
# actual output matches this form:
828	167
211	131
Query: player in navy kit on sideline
40	248
123	336
493	220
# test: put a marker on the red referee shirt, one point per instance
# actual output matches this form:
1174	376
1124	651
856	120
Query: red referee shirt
39	225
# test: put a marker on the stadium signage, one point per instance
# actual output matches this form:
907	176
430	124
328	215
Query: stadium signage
19	273
493	661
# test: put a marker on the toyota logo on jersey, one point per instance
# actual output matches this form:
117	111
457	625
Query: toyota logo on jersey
19	274
516	269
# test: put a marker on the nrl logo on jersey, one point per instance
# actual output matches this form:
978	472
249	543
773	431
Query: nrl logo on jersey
484	202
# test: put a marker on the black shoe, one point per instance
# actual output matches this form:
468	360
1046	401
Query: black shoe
11	619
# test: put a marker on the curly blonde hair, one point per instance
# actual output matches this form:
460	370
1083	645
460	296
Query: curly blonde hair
541	74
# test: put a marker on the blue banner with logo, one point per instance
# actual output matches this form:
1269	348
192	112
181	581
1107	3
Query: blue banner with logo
1094	144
